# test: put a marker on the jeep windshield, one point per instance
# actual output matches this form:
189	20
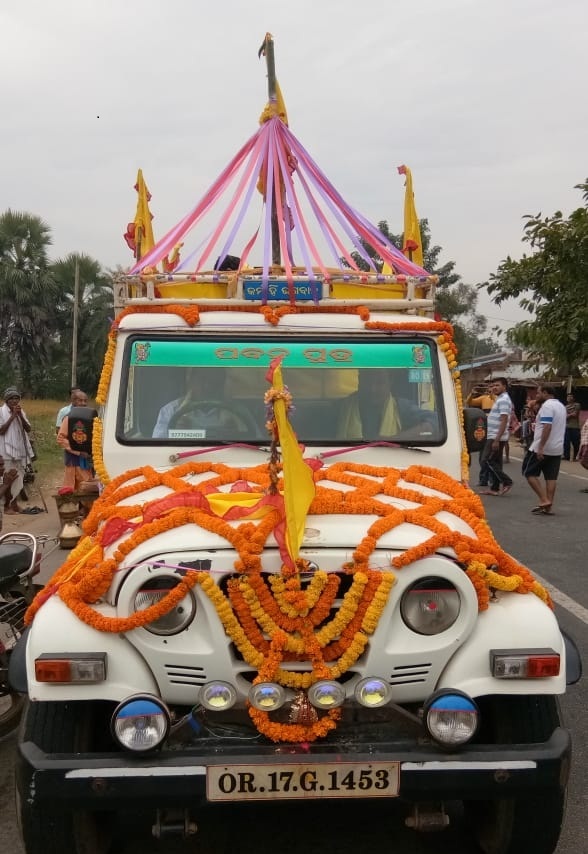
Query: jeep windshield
184	391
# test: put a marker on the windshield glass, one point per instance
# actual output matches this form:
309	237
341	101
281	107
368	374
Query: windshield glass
186	391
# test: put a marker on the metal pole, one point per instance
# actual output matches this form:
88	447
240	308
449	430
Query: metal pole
74	342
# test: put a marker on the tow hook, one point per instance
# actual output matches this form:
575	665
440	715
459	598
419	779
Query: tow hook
427	817
173	823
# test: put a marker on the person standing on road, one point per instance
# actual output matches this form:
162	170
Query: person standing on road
583	455
65	410
496	438
15	445
7	478
482	397
77	464
544	455
572	437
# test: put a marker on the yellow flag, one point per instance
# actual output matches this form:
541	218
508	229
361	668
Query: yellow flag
298	482
413	245
143	228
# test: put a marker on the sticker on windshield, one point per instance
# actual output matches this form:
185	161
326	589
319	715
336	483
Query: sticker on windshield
186	434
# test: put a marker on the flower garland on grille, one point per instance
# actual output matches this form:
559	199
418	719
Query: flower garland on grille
281	619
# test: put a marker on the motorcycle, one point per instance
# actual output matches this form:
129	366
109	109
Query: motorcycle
20	563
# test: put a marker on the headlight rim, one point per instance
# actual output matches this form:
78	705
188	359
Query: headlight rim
413	587
450	692
184	624
133	698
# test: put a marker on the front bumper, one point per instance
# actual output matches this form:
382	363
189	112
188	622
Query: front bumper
178	778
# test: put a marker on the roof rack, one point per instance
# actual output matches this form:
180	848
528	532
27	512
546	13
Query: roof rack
250	287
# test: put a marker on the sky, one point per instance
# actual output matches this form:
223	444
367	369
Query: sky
484	101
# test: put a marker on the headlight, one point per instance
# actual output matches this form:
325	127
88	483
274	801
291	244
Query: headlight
180	616
451	718
217	696
372	692
267	696
140	723
326	695
430	606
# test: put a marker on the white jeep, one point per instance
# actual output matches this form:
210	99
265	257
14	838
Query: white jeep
190	650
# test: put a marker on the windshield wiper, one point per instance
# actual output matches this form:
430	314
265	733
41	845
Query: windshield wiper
194	452
335	453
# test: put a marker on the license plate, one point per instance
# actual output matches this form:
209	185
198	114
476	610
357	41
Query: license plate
299	781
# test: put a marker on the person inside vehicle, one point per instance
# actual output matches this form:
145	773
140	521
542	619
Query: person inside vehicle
371	412
204	407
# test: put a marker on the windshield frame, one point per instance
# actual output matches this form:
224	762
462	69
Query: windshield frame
332	339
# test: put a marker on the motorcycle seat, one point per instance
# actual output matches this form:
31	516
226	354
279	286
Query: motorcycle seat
14	560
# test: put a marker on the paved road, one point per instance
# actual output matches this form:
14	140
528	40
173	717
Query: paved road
555	547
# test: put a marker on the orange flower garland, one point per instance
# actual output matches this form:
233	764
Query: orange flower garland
285	618
293	613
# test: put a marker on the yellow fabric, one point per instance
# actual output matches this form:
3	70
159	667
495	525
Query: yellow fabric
412	230
299	488
271	109
350	422
483	401
193	290
220	502
143	226
277	108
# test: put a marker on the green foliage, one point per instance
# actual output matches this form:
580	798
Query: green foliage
95	312
28	294
454	300
552	285
36	311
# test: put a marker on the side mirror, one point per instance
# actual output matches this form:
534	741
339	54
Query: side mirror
474	422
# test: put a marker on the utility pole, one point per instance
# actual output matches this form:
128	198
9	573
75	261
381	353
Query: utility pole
74	342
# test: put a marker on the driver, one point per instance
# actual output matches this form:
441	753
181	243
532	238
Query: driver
371	412
201	407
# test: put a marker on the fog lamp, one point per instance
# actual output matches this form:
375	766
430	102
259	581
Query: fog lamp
140	723
267	696
217	696
372	692
451	718
326	695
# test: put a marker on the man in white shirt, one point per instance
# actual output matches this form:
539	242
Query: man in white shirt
544	455
497	435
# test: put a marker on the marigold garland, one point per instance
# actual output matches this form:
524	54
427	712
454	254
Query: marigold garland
97	458
257	610
280	620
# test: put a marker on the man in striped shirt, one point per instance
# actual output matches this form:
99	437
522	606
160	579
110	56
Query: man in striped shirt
496	438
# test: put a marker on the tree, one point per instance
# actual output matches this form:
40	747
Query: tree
553	286
28	294
454	300
95	313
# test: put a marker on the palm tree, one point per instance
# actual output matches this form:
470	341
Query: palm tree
95	312
27	295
